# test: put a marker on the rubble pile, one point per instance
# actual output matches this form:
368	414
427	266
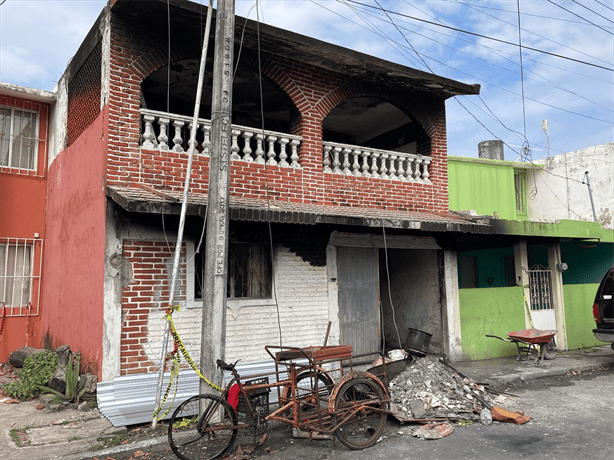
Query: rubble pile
430	389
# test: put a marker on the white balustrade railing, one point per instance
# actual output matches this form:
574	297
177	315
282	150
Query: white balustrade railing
248	144
351	160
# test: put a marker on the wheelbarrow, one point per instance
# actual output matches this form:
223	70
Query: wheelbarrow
527	340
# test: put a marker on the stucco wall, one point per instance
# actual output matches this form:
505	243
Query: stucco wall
579	315
74	259
561	193
485	186
494	311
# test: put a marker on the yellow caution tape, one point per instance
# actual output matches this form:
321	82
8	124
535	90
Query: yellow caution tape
175	368
188	358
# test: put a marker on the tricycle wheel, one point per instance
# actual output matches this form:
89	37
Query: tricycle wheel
206	437
549	350
359	407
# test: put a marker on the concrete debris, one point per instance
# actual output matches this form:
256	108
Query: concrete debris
434	431
428	389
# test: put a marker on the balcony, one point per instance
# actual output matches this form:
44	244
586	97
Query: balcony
170	132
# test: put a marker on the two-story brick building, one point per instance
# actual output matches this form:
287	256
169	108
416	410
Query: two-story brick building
338	191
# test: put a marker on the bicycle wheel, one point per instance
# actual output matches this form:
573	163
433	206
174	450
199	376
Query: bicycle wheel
206	437
362	426
306	388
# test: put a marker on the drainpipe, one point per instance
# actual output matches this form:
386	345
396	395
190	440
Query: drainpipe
590	194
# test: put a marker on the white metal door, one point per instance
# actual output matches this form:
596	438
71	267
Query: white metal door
542	302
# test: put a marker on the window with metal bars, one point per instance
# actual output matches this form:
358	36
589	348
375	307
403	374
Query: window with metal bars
18	138
520	185
20	269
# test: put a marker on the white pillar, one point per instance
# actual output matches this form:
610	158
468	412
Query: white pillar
451	322
521	265
558	300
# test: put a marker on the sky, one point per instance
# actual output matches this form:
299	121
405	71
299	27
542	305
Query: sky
563	74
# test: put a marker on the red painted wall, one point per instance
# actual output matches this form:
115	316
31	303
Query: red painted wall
22	214
74	260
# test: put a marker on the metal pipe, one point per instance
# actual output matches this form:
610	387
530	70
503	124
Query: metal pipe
184	203
590	194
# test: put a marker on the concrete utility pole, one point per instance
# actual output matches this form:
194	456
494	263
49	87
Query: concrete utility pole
213	340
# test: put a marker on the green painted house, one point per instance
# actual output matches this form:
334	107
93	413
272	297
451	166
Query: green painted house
524	273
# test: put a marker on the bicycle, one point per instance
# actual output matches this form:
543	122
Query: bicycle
352	410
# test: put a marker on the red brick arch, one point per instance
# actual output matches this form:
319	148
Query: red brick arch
411	107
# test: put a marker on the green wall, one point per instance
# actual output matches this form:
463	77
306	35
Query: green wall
579	320
588	262
486	186
494	311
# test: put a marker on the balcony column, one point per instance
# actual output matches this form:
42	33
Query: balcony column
374	166
401	169
259	150
383	169
365	164
247	149
417	173
326	159
392	170
148	135
355	165
283	142
206	129
271	152
163	122
177	140
336	162
346	161
425	170
294	143
235	145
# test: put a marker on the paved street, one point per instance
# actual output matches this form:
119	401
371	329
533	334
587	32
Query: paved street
572	418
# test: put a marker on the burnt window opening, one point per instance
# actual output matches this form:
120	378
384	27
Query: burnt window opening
374	123
249	272
175	93
510	271
468	272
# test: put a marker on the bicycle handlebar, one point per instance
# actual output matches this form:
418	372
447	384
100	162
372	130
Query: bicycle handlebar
225	366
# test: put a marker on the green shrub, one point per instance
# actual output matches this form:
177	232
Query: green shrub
73	390
37	370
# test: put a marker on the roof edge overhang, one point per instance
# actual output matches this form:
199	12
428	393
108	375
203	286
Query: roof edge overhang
155	202
571	229
283	43
23	92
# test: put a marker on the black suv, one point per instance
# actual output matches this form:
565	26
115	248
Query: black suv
603	310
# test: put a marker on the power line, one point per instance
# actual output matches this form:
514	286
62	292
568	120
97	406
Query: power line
500	52
605	6
489	38
481	5
594	12
536	34
554	84
571	12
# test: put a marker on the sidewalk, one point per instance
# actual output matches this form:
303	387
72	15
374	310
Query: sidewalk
72	433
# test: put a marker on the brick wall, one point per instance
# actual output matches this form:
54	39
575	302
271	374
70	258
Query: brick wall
314	92
84	95
144	299
301	294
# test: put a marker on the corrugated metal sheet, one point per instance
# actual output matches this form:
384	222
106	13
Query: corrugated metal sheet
130	399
